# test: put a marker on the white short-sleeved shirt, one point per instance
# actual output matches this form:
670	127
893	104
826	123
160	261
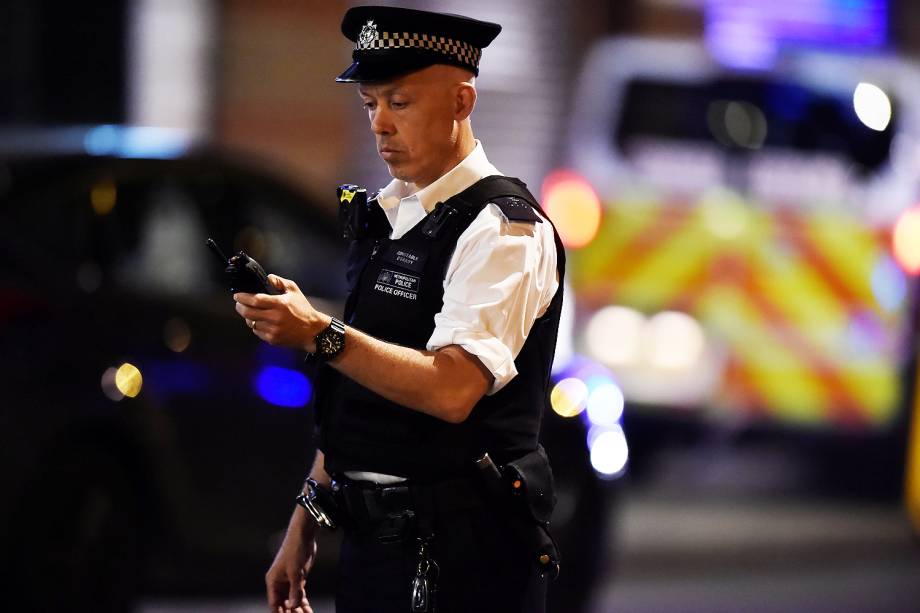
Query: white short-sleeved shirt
500	279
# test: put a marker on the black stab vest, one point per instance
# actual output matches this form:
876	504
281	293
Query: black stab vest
395	290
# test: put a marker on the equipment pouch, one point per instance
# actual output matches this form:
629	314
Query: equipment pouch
524	488
531	478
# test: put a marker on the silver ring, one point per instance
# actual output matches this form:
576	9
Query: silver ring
252	324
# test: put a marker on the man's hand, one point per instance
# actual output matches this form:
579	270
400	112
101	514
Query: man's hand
287	319
286	580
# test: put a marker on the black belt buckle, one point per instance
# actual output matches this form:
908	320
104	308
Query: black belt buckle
382	513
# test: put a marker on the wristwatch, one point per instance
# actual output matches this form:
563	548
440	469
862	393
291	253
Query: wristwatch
331	341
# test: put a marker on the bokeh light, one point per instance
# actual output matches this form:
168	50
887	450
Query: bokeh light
872	105
103	196
613	335
889	285
573	206
906	240
673	340
737	124
128	380
109	388
569	397
609	451
605	404
283	387
177	335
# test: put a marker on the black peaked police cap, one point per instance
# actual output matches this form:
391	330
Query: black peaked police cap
393	41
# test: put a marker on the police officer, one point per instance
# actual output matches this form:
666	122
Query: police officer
445	349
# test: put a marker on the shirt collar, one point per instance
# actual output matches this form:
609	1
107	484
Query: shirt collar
471	169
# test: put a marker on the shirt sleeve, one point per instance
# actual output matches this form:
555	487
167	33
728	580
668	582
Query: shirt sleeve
500	279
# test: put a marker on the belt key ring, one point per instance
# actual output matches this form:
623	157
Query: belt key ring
424	590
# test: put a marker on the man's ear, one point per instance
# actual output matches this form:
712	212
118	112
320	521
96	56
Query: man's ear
466	101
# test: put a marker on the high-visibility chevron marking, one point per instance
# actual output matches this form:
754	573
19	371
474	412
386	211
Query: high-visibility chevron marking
849	292
643	243
842	404
775	372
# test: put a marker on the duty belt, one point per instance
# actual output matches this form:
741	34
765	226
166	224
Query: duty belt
391	512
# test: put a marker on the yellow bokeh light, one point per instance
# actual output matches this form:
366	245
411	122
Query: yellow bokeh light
128	380
103	196
573	206
906	241
569	397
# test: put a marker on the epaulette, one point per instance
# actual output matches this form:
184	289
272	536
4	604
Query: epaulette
516	209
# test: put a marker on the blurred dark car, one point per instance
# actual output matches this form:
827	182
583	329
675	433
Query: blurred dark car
149	444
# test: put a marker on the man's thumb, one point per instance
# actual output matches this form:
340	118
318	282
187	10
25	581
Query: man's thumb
278	282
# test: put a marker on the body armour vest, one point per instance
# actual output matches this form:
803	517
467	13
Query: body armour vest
395	290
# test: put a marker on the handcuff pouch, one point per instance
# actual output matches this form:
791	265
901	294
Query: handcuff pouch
531	480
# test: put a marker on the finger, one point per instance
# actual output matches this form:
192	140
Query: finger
296	596
247	312
257	301
277	282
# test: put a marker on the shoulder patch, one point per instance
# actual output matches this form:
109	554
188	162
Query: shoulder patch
516	209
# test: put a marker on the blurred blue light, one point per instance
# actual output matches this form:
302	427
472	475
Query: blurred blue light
136	142
889	285
750	33
102	140
605	403
609	451
283	387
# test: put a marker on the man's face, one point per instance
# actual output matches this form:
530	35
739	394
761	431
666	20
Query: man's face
413	121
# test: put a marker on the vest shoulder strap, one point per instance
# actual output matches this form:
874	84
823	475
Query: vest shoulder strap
509	194
458	211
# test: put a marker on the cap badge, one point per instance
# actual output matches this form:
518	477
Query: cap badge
368	34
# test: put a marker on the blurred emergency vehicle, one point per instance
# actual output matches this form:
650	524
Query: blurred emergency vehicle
744	246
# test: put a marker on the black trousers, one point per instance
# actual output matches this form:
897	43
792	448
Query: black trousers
483	569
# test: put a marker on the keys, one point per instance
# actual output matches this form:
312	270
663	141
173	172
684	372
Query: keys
424	589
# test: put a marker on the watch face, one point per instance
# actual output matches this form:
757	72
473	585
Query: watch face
331	343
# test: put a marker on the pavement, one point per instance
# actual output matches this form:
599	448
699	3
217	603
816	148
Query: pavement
761	556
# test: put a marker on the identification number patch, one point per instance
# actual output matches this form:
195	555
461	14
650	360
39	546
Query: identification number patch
401	257
397	284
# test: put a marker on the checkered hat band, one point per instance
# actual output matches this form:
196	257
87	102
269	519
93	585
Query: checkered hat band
456	49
